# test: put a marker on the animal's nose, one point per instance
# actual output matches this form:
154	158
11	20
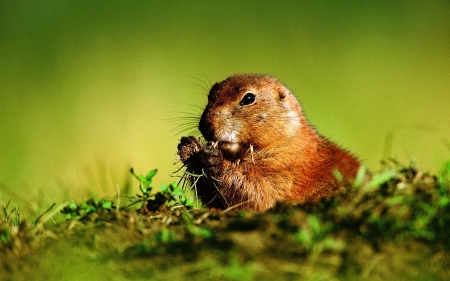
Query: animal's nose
205	126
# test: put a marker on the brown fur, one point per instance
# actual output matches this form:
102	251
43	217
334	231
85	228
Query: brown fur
262	152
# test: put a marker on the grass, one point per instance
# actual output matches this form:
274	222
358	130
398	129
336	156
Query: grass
397	224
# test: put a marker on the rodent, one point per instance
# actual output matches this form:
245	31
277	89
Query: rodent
261	149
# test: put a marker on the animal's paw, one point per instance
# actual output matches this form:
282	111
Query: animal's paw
187	147
210	160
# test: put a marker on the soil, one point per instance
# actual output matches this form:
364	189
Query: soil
245	246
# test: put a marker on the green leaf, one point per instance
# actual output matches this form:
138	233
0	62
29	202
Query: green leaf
314	223
73	205
173	186
443	201
178	192
200	232
395	200
304	237
106	204
379	180
142	188
150	175
190	201
360	175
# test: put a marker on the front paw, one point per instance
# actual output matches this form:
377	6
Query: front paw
210	160
187	147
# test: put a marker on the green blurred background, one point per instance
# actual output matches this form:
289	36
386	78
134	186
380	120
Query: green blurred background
90	88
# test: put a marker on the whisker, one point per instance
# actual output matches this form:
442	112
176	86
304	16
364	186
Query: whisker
185	120
195	133
200	86
207	78
185	131
181	131
198	112
185	126
191	105
205	86
217	188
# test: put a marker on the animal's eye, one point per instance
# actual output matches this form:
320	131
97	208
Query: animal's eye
249	98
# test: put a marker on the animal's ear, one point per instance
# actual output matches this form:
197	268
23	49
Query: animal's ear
282	92
213	92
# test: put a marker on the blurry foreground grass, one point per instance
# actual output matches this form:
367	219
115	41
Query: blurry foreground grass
397	227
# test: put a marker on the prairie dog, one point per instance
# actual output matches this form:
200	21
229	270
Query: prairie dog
261	149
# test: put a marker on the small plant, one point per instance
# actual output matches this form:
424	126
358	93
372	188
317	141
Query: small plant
145	183
10	225
165	236
12	216
170	195
444	178
177	196
76	211
316	237
145	186
195	230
